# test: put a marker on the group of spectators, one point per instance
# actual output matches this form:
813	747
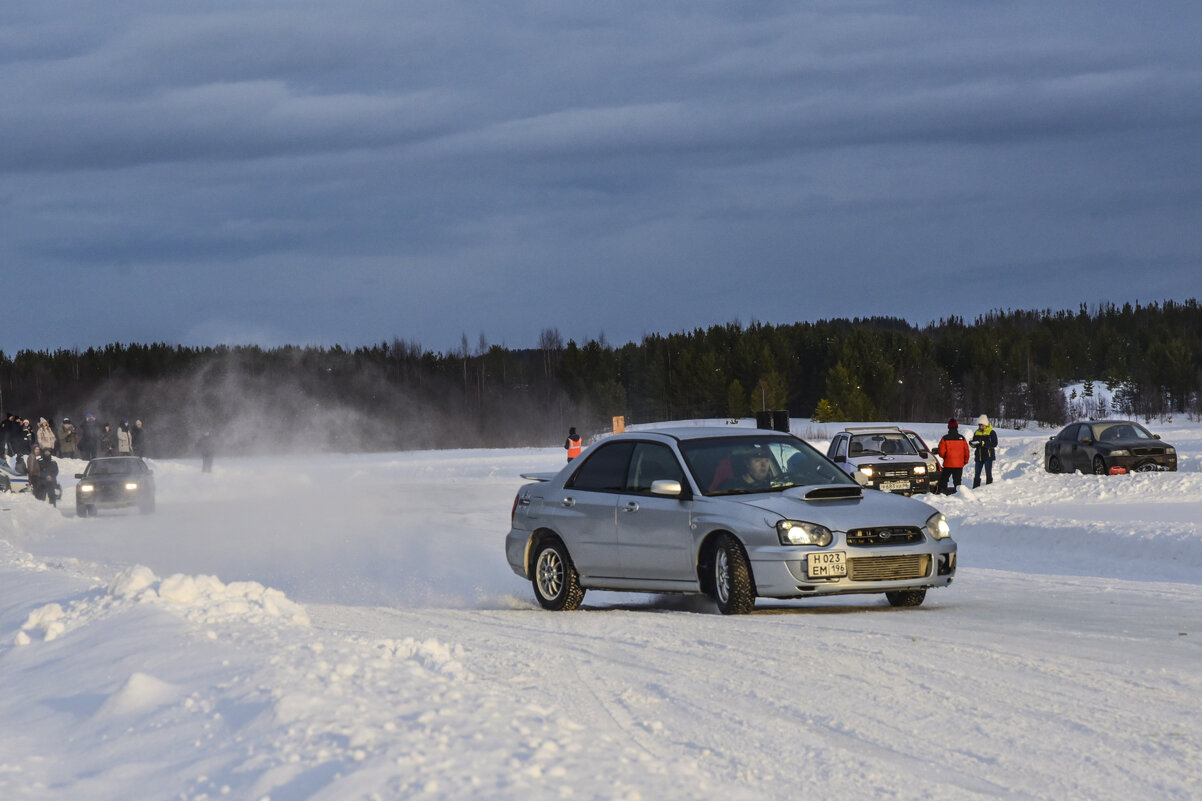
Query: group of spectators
19	436
31	449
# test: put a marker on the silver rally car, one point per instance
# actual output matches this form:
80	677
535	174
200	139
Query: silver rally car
730	512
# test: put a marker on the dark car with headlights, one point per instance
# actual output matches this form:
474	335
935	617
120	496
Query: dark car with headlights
1104	446
114	482
724	512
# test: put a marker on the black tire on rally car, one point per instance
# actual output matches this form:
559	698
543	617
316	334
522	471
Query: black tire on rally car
554	577
1099	466
1054	465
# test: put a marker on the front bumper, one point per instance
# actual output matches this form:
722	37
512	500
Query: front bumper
781	572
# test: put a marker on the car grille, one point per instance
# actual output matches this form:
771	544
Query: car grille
1148	451
865	537
900	471
889	568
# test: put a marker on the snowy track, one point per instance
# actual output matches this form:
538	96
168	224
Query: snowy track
407	661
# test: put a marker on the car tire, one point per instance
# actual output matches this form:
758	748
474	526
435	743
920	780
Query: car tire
902	598
554	577
1054	465
5	484
81	510
1099	466
731	577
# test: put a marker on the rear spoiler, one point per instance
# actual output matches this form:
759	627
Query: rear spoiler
539	476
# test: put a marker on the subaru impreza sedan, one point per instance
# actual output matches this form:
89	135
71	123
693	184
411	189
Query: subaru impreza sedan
731	513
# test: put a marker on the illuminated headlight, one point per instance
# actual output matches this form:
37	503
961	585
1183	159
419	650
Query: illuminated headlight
86	488
131	486
938	527
866	470
1120	452
795	532
921	470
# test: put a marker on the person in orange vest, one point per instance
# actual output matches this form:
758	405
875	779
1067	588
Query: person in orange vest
572	444
954	451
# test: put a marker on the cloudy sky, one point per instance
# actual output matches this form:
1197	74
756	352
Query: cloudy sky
346	173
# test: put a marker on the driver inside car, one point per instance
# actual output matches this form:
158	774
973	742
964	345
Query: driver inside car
756	472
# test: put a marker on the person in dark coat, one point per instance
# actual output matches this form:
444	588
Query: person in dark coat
108	441
89	438
984	446
48	477
7	426
139	439
33	468
954	452
206	447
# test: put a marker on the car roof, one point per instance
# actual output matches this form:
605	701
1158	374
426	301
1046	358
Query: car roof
681	433
873	429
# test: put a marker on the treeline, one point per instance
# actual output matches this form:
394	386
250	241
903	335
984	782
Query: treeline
1010	365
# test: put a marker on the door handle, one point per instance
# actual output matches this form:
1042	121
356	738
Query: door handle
631	506
568	502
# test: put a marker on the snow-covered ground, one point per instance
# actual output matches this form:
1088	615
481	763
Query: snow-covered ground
347	627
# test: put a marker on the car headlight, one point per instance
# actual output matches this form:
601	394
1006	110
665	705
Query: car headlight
797	532
866	470
132	485
1170	451
921	470
86	488
1120	452
937	526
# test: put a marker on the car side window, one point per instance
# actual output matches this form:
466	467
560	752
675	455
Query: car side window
604	470
840	449
1083	433
1069	434
652	462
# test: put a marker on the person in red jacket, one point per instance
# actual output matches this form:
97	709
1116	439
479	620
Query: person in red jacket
954	451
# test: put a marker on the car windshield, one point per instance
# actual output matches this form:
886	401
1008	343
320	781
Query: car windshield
113	467
880	444
737	465
1115	432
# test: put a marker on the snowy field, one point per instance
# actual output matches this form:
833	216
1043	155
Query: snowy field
346	627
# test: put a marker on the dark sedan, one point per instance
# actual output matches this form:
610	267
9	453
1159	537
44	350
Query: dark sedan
1100	446
114	482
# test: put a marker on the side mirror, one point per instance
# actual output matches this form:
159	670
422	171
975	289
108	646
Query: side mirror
79	475
1156	436
663	486
924	454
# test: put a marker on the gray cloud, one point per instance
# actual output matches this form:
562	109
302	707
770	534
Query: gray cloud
345	174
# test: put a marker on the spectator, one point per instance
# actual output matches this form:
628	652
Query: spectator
205	446
984	445
48	477
33	469
125	439
89	438
45	435
139	441
7	428
108	441
572	444
954	451
67	437
24	442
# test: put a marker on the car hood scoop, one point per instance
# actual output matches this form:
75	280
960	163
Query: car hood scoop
838	492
